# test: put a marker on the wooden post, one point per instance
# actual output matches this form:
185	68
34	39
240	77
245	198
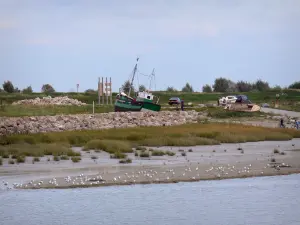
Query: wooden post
110	91
106	92
102	85
93	107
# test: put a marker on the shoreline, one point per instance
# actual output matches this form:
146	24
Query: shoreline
286	173
210	162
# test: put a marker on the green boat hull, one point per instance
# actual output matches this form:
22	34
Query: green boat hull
148	106
127	107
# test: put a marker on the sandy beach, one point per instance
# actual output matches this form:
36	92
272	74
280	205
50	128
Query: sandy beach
200	163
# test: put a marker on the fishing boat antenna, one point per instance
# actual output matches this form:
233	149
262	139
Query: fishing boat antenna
152	77
134	71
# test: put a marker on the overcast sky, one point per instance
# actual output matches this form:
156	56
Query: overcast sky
65	42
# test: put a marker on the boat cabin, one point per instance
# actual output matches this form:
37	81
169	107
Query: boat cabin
145	95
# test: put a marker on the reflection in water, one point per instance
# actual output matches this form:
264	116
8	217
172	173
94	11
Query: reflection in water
261	201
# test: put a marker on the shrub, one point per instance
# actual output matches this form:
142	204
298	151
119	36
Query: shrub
282	153
56	158
94	157
20	159
109	146
64	157
140	148
169	153
158	153
11	161
136	154
144	154
76	159
183	154
36	159
125	161
118	155
190	150
1	162
276	151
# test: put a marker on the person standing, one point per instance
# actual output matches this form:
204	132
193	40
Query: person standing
182	104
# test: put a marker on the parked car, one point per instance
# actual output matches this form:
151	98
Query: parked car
243	99
174	101
227	100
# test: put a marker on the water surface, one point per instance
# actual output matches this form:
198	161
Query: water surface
253	201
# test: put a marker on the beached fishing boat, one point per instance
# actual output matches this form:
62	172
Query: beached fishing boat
143	100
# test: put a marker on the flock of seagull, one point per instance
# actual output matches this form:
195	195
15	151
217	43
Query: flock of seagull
189	173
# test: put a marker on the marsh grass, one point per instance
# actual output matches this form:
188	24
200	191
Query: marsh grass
56	158
110	146
118	155
124	139
76	159
11	161
36	150
1	161
36	159
144	154
64	157
125	161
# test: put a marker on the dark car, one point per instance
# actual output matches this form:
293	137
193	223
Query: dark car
242	99
174	101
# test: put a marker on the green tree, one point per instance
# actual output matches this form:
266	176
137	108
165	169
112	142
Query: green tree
47	88
171	89
126	86
27	90
8	87
261	85
221	85
142	88
90	91
207	88
187	88
295	85
277	88
244	86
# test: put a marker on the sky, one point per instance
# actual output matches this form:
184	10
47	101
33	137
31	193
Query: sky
69	42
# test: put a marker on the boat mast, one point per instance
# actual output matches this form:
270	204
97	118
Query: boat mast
152	76
134	71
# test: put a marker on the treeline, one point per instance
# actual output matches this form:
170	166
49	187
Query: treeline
225	85
8	87
220	85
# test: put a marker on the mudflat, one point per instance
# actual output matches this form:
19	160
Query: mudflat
188	164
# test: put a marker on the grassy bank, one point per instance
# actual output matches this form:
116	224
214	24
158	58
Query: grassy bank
32	110
117	141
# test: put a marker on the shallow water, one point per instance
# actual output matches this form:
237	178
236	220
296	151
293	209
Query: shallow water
253	201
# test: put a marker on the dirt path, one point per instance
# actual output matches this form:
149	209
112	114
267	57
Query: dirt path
281	112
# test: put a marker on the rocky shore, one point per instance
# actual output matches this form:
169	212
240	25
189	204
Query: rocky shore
41	124
64	100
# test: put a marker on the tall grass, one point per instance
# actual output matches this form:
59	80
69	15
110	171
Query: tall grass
37	150
124	139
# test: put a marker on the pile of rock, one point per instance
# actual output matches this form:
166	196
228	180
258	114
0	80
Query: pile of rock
38	124
64	100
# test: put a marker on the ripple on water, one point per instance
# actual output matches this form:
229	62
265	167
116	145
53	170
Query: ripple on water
261	200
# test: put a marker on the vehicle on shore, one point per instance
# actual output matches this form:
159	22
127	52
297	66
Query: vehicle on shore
242	104
174	101
143	100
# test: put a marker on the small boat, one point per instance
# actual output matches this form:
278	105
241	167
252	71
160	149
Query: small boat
143	101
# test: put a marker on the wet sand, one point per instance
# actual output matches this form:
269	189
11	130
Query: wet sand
204	162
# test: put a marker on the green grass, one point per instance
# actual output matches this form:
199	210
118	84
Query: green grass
118	155
196	98
36	150
124	139
161	153
76	159
109	146
125	161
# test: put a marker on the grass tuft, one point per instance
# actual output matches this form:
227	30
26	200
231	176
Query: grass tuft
110	146
276	151
76	159
118	155
125	161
